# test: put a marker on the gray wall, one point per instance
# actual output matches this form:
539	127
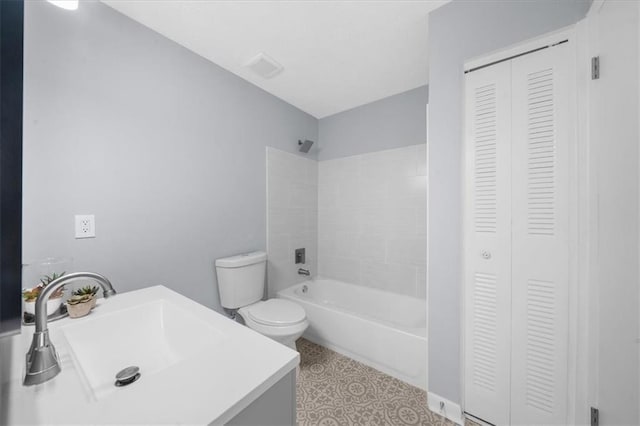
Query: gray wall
460	31
393	122
164	147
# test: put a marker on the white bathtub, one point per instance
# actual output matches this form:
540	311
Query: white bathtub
384	330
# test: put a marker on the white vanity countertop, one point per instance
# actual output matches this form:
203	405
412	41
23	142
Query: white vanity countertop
210	387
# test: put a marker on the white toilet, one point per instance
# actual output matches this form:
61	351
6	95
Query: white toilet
241	287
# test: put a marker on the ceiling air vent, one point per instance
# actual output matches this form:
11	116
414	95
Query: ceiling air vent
264	65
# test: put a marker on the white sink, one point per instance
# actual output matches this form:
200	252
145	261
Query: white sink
197	366
154	337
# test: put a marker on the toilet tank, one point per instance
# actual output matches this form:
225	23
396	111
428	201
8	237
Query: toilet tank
241	279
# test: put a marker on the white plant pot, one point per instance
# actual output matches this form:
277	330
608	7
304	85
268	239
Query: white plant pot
52	306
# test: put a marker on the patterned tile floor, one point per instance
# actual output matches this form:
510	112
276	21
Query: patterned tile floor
335	390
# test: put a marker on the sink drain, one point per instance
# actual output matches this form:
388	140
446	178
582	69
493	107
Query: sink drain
127	376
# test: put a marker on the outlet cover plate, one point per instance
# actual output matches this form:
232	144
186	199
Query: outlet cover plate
85	226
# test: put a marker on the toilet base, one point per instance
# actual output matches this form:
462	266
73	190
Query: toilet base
289	341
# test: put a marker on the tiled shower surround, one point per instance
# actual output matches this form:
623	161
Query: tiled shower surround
372	220
362	218
292	217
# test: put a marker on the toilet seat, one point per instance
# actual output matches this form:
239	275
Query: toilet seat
281	320
276	313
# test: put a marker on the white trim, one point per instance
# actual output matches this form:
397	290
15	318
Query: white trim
519	48
583	369
450	410
638	337
426	299
463	243
591	216
576	220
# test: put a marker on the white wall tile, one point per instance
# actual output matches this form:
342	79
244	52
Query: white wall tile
374	221
303	195
407	251
292	217
362	219
372	248
372	193
372	217
306	240
349	194
278	221
401	279
401	222
374	167
279	273
347	270
375	275
327	194
347	245
420	152
402	162
333	220
278	193
421	282
407	191
311	220
296	220
312	172
421	222
278	243
326	248
389	277
339	170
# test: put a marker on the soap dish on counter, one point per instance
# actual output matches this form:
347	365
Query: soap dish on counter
61	312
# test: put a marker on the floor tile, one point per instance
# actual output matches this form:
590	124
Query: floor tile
333	390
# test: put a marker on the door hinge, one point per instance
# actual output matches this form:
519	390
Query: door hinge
595	68
595	416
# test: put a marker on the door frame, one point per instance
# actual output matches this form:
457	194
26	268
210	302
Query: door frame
590	31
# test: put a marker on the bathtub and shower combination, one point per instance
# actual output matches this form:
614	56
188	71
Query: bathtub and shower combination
384	330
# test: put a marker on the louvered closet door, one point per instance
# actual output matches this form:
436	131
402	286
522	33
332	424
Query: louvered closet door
540	242
487	243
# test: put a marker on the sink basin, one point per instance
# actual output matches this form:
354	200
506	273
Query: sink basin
154	336
197	366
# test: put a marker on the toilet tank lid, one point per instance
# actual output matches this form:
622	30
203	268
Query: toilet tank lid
241	260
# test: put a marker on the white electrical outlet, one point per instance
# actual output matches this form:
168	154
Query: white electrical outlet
85	226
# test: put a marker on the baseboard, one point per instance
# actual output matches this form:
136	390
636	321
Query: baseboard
445	408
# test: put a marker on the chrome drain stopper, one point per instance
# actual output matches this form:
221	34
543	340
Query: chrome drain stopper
127	376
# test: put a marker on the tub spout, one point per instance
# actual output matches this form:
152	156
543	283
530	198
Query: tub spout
304	272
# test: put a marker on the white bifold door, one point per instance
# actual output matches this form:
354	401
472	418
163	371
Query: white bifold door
516	279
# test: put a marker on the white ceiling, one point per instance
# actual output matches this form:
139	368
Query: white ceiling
336	54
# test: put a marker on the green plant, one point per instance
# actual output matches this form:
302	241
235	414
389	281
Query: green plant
75	299
91	290
46	280
30	295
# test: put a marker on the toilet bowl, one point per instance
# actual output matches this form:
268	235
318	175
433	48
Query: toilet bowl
281	320
241	287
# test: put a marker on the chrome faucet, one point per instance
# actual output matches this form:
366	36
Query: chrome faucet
42	359
304	272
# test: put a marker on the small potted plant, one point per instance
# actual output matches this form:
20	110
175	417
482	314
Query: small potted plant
80	305
30	295
87	290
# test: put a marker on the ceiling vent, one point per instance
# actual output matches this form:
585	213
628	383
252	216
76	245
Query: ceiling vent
264	65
